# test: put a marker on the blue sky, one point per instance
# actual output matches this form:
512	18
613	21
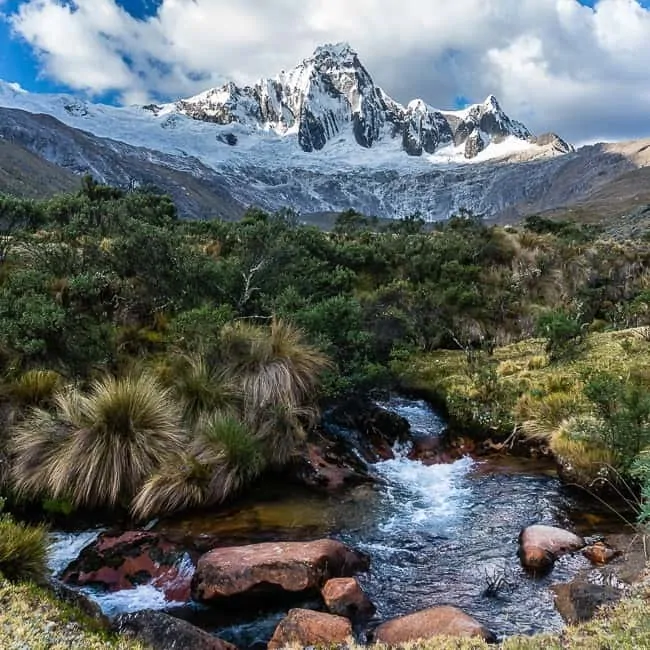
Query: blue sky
575	67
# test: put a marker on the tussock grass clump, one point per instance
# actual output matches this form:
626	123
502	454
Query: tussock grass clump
23	551
182	485
202	388
101	446
35	387
225	456
272	365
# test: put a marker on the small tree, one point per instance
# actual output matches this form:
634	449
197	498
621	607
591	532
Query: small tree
562	331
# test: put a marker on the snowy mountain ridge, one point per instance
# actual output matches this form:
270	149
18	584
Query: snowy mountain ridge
321	137
331	92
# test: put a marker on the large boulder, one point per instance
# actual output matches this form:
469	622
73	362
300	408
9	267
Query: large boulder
579	600
164	632
124	561
431	623
540	546
306	628
345	597
268	570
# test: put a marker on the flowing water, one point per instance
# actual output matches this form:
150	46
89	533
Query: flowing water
437	534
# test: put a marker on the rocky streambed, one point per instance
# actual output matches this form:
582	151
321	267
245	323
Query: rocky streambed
430	530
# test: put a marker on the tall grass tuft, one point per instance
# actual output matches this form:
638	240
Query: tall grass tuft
118	434
35	387
23	551
202	388
181	485
233	451
35	446
272	365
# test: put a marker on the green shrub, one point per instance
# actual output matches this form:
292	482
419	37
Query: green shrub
562	331
23	551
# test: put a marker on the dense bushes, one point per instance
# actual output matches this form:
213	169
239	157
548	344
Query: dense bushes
232	326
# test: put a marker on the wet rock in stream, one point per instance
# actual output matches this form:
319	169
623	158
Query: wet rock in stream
306	628
265	571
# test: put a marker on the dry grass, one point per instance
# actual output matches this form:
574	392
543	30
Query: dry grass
202	388
541	400
35	387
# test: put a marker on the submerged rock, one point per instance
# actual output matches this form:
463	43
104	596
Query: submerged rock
164	632
579	601
124	561
268	570
540	546
600	553
430	623
305	628
345	597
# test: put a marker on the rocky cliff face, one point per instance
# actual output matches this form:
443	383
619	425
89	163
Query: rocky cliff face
331	93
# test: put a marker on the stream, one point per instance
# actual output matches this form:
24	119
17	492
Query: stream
436	535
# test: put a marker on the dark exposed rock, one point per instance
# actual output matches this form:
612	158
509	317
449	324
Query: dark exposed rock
75	598
329	465
306	628
265	571
164	632
430	623
579	600
475	144
375	429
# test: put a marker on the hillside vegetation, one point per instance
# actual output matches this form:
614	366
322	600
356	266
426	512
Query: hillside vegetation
178	361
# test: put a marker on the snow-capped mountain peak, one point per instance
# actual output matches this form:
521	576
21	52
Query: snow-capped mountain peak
331	94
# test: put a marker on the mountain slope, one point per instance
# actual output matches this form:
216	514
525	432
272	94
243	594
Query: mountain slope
28	175
197	190
320	138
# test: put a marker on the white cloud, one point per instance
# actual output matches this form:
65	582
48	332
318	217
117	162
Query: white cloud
553	63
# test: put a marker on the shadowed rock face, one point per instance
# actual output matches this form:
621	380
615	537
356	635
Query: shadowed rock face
163	632
266	571
430	623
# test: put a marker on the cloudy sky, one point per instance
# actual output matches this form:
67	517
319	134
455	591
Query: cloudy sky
581	69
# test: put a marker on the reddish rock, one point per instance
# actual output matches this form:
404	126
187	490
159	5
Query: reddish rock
600	553
266	570
430	623
345	597
124	561
540	546
305	628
